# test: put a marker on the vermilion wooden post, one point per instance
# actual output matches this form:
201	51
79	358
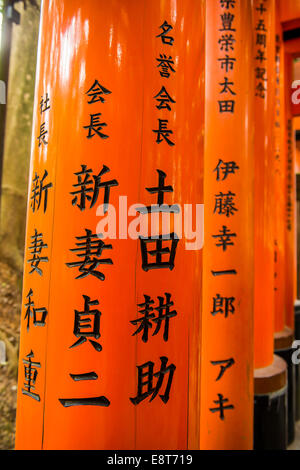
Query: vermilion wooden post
226	419
290	185
283	333
270	370
279	180
284	340
290	15
264	67
118	112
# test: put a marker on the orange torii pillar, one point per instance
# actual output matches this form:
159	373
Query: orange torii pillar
284	329
226	418
284	341
296	128
110	327
292	50
270	371
279	184
290	187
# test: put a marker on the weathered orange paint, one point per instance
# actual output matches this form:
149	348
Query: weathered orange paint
264	191
114	42
228	137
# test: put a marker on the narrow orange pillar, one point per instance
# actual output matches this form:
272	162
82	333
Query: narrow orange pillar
264	68
226	418
290	204
270	370
279	181
110	326
283	333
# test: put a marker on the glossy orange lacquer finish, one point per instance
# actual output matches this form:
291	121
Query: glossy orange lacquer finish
290	204
264	185
117	43
228	138
279	181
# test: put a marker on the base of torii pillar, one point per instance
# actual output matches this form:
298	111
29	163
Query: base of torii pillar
270	406
283	342
297	366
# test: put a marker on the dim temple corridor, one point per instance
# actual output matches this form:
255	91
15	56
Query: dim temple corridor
150	226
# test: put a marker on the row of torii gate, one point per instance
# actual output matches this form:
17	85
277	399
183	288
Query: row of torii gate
180	102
